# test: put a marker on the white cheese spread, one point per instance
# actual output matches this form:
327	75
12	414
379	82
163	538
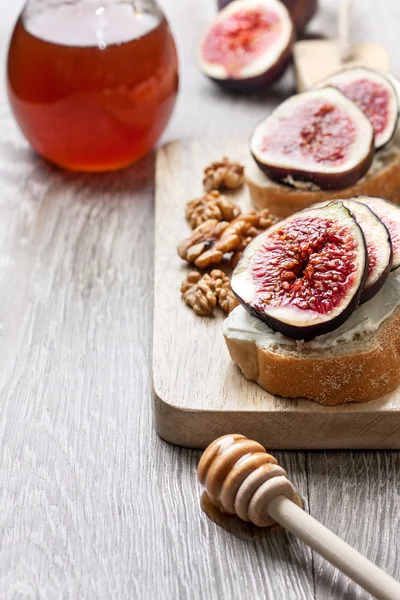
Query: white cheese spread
365	319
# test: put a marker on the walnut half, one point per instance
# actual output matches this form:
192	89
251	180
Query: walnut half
226	299
212	239
198	293
223	174
210	206
202	293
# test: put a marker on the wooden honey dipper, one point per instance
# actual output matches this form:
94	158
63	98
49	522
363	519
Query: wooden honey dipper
241	478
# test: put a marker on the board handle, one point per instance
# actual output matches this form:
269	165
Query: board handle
334	549
344	33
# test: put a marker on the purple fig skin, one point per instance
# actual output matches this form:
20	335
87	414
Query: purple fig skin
369	292
395	265
302	11
310	332
325	181
372	290
223	3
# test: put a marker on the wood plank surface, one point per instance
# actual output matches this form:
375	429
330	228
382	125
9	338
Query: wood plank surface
93	503
195	381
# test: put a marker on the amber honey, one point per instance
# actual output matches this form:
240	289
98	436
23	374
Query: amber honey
92	88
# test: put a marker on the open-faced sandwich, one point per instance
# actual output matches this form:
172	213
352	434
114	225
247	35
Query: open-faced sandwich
343	135
319	294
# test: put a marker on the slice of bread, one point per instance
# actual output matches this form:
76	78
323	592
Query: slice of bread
346	366
382	179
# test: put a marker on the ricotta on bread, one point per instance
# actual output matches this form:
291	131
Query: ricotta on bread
357	362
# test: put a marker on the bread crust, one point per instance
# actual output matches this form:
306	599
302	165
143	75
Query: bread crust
382	180
361	371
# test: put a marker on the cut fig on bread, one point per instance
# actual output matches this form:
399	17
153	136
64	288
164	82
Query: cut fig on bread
389	214
248	45
318	137
382	179
379	246
376	96
305	275
357	363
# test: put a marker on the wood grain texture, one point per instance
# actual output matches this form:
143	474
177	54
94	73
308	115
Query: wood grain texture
348	482
93	503
196	383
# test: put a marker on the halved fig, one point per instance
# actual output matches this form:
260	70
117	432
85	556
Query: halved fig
374	94
389	214
301	11
379	246
304	276
248	45
320	137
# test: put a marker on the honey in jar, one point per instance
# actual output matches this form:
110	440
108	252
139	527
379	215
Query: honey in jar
92	84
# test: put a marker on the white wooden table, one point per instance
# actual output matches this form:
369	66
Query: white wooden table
92	503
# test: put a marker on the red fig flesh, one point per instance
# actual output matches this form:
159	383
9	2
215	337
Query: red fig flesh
319	137
374	94
304	276
248	45
379	246
389	214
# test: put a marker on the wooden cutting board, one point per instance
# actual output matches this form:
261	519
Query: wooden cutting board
199	393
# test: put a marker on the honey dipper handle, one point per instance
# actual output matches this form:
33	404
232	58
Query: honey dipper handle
334	549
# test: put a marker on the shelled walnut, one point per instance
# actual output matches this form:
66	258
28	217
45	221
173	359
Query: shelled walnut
226	299
203	292
223	174
198	293
260	220
210	206
211	240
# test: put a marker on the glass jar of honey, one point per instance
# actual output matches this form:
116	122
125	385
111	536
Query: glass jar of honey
92	83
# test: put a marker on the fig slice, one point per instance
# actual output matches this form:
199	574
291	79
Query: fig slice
378	242
374	93
389	214
304	276
320	137
394	80
248	45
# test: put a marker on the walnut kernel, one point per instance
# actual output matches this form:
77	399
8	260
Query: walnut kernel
203	292
223	291
198	293
223	174
210	206
211	240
